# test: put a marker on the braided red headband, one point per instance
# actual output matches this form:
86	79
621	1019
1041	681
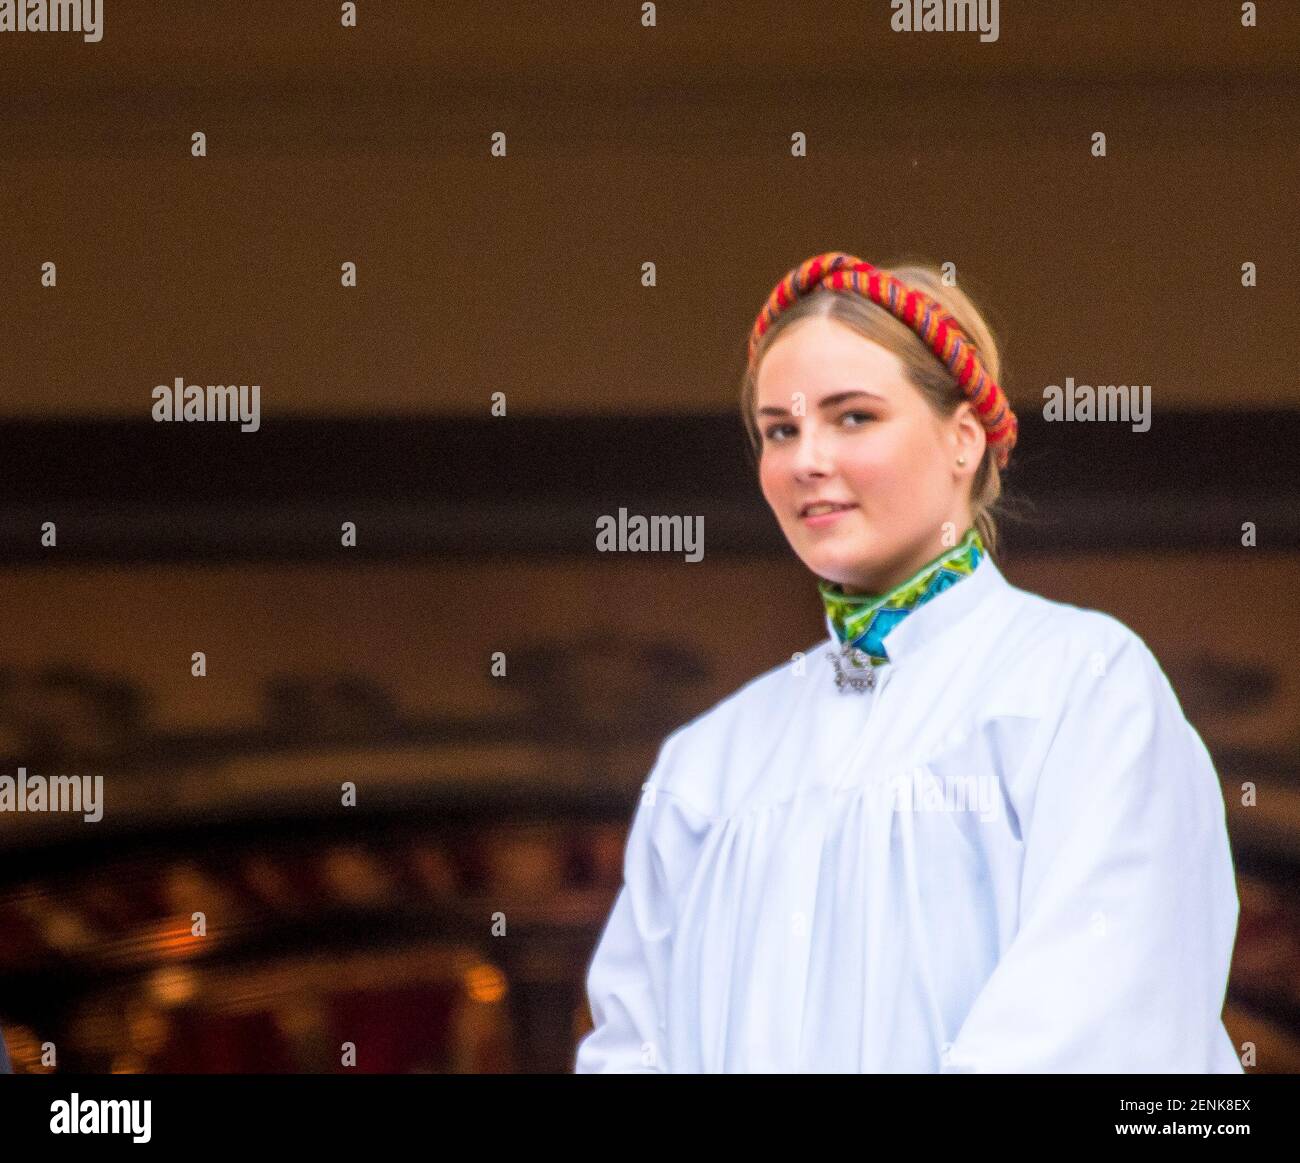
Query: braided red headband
937	328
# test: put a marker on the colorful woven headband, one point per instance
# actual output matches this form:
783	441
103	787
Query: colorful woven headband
937	328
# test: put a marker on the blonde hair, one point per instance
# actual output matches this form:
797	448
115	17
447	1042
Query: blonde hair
924	370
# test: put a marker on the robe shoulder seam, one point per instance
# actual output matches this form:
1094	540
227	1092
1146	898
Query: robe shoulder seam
696	810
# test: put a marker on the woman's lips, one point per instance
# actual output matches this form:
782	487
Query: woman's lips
817	520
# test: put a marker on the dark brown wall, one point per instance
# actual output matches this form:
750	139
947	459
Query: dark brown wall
628	145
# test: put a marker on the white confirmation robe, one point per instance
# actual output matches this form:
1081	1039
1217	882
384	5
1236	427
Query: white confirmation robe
1011	856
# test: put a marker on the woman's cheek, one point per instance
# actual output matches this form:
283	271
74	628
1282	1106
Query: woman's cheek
770	482
864	468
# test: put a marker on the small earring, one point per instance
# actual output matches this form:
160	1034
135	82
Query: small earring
961	461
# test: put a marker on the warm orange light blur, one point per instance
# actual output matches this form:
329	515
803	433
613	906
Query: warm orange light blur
485	983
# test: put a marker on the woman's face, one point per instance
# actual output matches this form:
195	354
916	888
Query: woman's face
840	422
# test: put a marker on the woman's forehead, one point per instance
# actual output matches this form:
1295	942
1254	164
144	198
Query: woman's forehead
820	343
821	369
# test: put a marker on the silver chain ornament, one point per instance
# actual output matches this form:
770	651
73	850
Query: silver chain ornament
853	668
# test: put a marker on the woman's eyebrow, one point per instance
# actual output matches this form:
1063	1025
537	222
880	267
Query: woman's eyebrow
827	402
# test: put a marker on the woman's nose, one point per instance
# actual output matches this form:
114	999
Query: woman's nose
811	455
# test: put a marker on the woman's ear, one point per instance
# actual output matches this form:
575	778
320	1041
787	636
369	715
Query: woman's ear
969	436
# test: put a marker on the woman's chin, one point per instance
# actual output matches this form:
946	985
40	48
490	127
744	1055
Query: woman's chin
848	575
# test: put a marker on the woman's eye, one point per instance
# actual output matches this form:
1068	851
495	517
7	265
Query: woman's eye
772	433
860	415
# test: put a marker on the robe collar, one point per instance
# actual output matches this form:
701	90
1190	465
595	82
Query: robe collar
892	626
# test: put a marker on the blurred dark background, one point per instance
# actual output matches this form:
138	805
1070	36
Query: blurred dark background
443	923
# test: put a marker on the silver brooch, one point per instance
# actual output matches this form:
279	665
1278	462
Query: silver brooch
853	668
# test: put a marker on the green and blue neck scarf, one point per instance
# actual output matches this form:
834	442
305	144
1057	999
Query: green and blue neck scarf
863	620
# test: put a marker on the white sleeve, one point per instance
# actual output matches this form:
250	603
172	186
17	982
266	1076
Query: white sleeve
627	977
1128	900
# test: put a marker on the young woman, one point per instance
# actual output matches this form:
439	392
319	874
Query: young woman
983	837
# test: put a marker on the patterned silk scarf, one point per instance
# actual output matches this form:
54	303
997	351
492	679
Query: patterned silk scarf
863	620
